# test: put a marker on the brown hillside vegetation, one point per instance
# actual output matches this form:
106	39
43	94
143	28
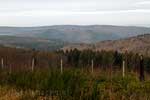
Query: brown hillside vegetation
138	44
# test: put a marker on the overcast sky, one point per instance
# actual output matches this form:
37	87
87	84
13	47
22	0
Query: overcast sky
78	12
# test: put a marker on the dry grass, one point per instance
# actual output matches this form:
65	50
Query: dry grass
8	93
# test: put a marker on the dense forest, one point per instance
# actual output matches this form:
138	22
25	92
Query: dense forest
62	75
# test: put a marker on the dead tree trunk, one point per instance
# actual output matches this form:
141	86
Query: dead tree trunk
141	69
33	64
123	68
2	63
34	60
92	65
61	65
10	68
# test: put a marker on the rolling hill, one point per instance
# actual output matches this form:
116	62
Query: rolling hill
137	44
76	33
31	43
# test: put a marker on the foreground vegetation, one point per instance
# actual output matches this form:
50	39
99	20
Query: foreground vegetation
72	84
32	75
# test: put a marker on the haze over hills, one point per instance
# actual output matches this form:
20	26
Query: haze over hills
74	36
137	44
76	33
31	43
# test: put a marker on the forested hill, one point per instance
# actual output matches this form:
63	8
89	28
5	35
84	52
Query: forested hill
31	43
76	33
138	44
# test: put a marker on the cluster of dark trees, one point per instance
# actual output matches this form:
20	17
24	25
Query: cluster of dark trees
106	59
19	58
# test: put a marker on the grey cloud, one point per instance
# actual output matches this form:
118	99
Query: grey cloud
41	12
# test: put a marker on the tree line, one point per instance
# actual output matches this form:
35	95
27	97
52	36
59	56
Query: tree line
20	59
105	59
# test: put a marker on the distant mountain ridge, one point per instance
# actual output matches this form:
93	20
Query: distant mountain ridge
76	33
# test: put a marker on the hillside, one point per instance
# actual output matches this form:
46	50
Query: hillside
138	44
72	75
31	43
75	33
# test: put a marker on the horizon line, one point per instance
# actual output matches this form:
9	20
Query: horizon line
73	25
